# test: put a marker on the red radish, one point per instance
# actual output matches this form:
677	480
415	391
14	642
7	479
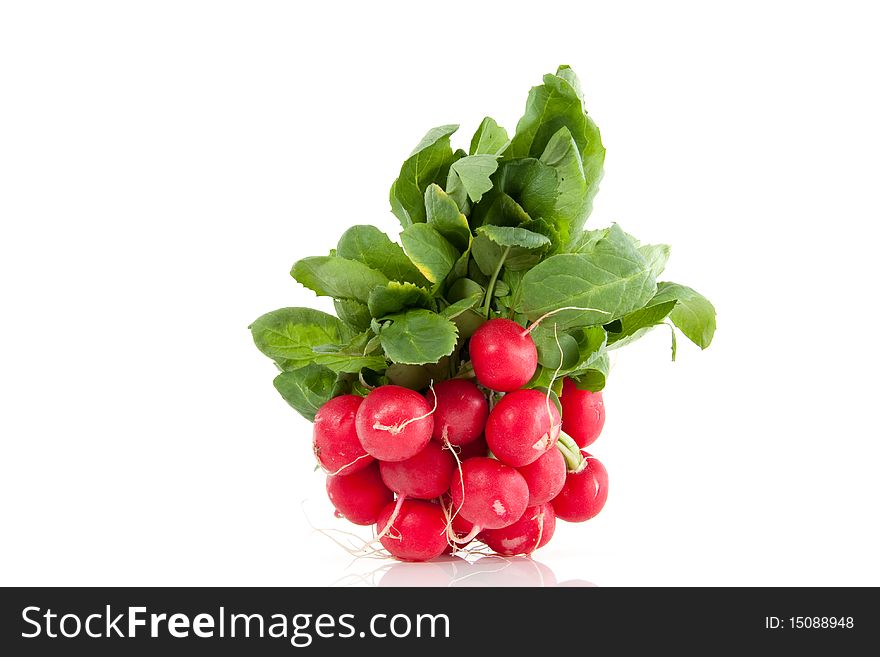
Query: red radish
584	493
545	476
549	525
417	533
533	530
477	447
424	476
461	411
503	355
359	497
522	426
488	493
334	437
394	423
583	413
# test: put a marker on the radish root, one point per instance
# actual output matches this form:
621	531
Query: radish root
535	324
552	381
395	429
385	531
347	465
471	535
450	533
356	546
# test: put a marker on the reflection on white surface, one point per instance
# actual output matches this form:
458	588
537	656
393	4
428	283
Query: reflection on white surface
454	571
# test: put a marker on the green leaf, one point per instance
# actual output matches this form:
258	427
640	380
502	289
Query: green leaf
549	107
531	183
694	314
587	240
463	288
591	341
372	247
354	313
634	325
456	191
341	362
474	272
429	251
656	255
543	380
499	209
526	247
542	227
592	371
428	163
490	138
394	297
511	236
474	174
414	377
567	73
288	335
487	254
454	186
460	268
373	345
594	379
610	276
397	207
349	357
573	204
444	216
555	104
418	337
459	307
549	351
306	389
332	276
514	281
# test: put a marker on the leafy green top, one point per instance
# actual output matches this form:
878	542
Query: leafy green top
494	231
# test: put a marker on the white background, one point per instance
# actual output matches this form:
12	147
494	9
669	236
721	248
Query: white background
162	164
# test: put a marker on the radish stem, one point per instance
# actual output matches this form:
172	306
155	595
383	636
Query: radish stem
490	289
574	460
466	372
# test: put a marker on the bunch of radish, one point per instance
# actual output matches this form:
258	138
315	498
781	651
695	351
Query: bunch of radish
437	470
455	389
